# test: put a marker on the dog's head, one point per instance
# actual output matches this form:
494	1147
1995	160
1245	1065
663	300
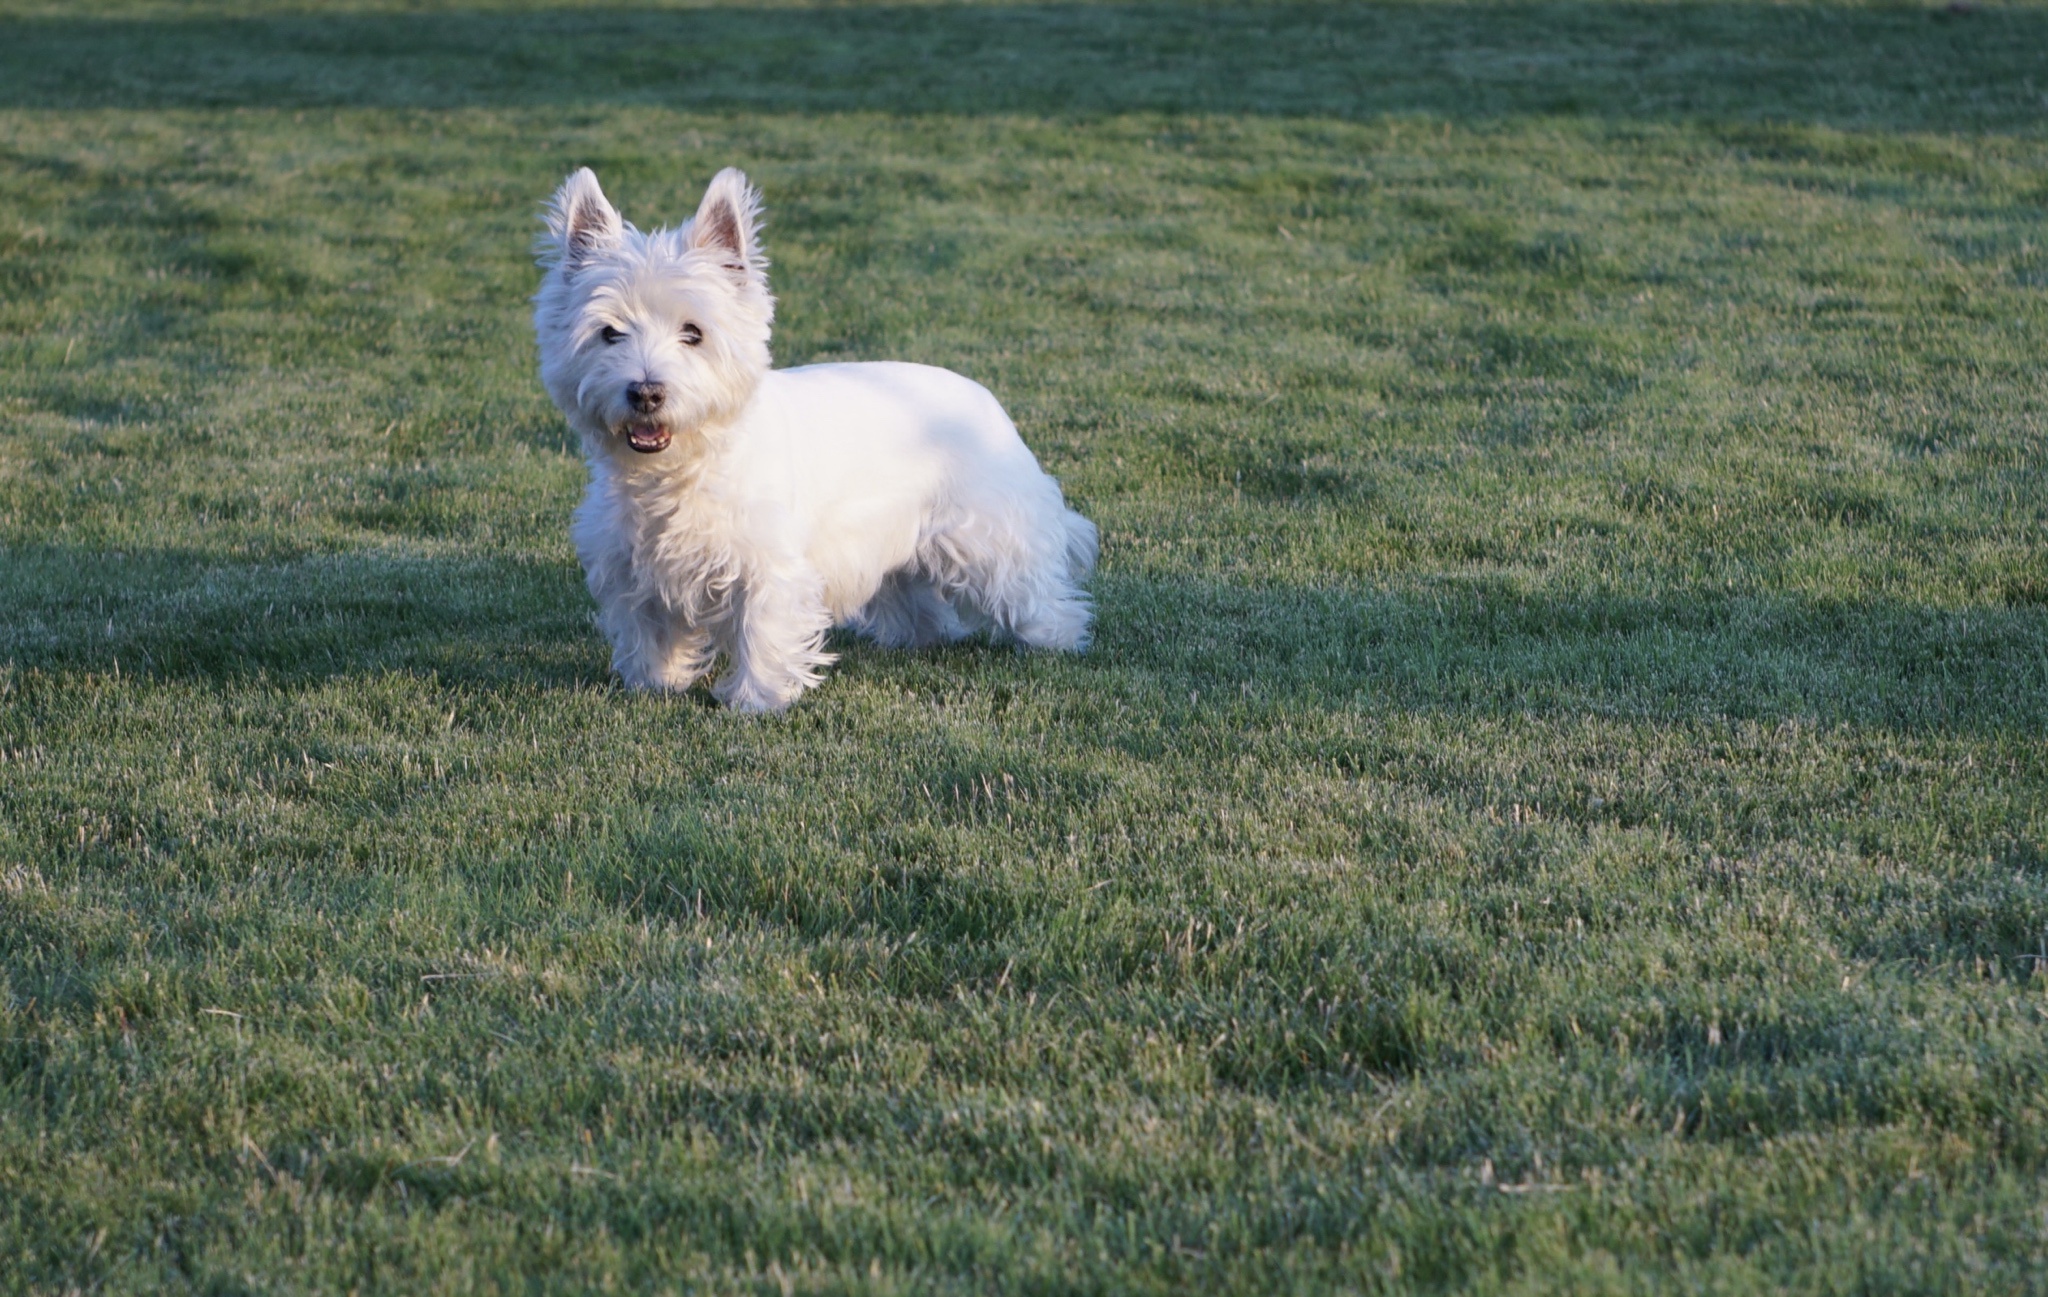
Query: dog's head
647	337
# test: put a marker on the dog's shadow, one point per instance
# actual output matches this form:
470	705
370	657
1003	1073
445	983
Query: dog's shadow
197	615
507	623
478	621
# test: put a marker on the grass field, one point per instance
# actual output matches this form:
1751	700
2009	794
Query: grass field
1559	802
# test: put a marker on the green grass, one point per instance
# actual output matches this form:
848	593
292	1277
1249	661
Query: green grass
1559	802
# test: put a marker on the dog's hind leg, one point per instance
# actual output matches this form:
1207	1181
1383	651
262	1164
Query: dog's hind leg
908	611
1023	571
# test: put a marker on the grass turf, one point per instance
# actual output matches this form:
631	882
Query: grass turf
1558	804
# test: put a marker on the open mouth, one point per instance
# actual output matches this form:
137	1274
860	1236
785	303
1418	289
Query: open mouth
647	438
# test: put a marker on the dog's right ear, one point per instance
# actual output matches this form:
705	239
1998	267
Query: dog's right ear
581	222
728	222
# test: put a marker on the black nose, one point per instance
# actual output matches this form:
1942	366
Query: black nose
646	397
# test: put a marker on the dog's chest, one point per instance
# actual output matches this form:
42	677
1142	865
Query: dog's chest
689	539
666	540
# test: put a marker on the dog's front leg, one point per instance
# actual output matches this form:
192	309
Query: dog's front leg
654	649
686	655
777	638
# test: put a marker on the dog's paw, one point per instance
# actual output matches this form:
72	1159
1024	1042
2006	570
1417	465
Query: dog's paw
756	697
658	682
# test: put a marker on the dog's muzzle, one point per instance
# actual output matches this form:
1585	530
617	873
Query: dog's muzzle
648	437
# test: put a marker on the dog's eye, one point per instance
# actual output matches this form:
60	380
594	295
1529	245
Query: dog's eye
612	337
692	335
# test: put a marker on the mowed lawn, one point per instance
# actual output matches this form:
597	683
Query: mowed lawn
1559	801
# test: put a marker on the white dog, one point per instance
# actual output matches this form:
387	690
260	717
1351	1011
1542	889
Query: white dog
742	511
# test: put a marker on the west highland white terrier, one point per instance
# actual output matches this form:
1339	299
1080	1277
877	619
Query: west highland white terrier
742	511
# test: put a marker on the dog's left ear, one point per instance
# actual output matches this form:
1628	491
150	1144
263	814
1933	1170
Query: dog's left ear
728	222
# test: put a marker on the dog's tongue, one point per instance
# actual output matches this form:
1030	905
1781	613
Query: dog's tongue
647	437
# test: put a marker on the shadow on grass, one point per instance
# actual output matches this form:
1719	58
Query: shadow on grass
1459	647
182	614
1894	68
1473	647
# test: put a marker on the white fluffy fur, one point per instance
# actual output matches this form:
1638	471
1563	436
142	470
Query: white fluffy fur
892	498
